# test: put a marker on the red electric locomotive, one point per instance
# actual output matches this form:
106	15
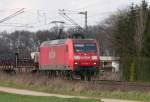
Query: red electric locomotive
78	56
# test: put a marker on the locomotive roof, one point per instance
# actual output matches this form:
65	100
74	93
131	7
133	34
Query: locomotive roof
62	41
83	40
53	42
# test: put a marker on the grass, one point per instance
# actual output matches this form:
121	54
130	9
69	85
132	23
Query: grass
69	87
5	97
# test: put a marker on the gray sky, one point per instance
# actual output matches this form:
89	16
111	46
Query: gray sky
39	13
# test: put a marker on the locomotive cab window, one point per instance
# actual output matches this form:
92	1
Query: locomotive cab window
79	47
91	47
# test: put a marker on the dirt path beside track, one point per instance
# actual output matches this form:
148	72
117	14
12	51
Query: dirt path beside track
116	100
36	93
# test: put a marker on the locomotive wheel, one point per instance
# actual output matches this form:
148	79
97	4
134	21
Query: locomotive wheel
88	78
82	77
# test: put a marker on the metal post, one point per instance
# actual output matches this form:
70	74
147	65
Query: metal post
85	14
86	20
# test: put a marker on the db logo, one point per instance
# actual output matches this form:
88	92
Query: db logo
52	54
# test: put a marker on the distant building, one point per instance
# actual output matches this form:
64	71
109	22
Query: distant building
110	63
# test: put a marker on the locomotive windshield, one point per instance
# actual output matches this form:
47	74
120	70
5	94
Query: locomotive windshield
91	47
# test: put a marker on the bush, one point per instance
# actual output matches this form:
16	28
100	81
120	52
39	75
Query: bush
136	69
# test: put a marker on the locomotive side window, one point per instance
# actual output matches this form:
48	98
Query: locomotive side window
91	47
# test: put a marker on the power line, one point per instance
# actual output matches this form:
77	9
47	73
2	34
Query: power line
12	15
9	10
17	25
63	14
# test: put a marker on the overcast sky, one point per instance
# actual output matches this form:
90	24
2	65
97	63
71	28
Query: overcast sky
39	13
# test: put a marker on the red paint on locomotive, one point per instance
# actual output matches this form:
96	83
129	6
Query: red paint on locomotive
69	54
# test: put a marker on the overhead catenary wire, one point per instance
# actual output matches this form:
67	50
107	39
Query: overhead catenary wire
64	15
35	24
17	25
9	10
70	20
74	20
12	15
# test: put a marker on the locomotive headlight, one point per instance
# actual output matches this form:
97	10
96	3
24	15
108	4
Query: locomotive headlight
94	63
75	63
94	57
76	57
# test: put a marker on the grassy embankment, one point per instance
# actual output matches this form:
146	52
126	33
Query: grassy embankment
69	87
5	97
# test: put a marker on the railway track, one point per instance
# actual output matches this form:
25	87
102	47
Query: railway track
111	82
28	65
121	85
112	85
129	84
